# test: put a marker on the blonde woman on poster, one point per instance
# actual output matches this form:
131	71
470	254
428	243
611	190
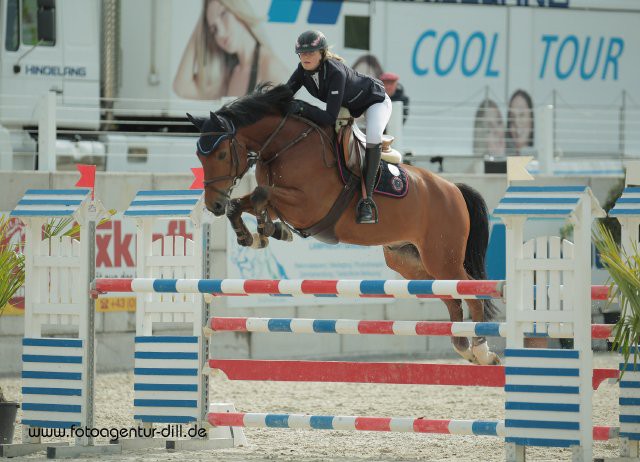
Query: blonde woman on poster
227	54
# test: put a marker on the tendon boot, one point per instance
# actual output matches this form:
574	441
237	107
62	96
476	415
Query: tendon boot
366	210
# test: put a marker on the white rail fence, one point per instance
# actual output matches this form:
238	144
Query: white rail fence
153	135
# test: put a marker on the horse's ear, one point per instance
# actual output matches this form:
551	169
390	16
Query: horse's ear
197	121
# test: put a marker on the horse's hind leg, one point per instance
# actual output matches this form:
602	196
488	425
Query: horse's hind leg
479	351
406	261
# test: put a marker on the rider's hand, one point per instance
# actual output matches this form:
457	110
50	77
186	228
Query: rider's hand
296	107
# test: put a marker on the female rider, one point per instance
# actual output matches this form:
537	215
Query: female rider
328	78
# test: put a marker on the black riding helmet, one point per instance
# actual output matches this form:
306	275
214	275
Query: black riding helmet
311	40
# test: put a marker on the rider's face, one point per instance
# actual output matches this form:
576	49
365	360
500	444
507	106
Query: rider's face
310	60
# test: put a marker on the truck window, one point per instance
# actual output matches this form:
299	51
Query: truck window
30	23
12	36
356	32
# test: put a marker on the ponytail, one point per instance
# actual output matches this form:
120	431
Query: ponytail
326	54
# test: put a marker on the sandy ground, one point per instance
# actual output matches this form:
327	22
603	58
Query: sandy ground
114	408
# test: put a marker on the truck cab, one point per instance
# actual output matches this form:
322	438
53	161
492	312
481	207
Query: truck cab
50	45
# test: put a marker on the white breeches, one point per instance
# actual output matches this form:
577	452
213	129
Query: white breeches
377	117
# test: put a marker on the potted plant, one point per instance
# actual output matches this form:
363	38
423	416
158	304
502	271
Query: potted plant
624	271
11	279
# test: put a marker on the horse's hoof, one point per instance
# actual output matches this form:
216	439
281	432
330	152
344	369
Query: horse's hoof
485	356
466	354
259	242
268	228
288	235
246	241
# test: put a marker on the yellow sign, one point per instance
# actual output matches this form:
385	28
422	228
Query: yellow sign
103	305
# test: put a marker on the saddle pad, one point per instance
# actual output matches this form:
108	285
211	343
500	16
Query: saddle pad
392	179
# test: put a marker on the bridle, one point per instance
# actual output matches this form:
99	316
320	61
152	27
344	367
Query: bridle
235	174
234	169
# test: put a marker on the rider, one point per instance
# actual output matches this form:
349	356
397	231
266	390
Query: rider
328	78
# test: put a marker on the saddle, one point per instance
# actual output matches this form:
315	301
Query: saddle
352	142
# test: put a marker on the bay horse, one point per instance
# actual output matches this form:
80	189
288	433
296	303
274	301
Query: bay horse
439	230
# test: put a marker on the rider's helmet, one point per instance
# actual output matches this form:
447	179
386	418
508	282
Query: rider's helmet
311	40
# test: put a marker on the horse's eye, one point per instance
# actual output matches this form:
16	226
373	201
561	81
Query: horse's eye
222	155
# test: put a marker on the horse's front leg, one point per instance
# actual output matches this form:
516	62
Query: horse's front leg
256	204
235	209
266	228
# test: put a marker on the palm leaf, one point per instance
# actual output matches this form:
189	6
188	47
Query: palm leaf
60	226
11	265
624	273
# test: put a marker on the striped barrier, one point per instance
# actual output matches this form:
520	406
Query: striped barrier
377	424
442	289
412	328
300	287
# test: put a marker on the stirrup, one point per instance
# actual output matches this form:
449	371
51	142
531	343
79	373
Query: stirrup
366	201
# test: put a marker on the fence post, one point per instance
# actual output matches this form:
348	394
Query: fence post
6	150
47	133
546	149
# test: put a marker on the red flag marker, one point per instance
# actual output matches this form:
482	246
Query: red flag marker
87	177
198	178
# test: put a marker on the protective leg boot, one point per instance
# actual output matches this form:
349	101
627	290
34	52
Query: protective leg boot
366	211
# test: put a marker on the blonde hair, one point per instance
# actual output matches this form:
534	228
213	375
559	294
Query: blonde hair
326	54
212	66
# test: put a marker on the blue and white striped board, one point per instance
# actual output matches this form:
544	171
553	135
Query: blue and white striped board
51	202
542	405
630	401
628	205
165	203
166	379
540	201
52	383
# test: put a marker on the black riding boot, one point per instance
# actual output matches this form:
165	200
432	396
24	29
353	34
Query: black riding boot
366	211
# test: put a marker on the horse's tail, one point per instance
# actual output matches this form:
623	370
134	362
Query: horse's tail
474	259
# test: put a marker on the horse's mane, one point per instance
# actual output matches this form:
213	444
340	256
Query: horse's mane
264	100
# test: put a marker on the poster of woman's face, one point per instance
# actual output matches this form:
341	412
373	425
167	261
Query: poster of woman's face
520	122
488	130
227	53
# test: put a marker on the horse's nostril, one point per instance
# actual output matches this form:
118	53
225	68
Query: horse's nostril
218	208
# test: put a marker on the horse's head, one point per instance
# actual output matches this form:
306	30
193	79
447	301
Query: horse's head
217	149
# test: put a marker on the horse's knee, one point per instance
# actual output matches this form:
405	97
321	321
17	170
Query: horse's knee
259	198
233	208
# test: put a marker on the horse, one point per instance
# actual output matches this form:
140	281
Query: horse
439	230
